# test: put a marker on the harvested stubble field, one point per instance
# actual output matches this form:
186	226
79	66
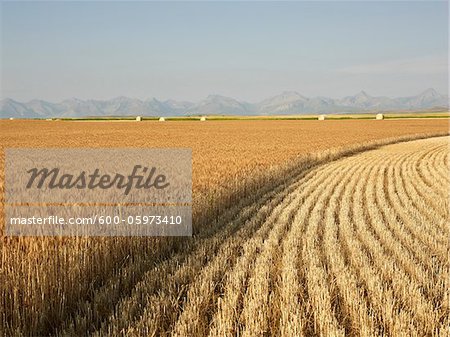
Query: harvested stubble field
290	238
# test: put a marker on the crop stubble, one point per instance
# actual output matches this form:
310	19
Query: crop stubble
360	264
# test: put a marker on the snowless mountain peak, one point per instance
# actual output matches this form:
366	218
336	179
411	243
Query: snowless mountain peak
290	93
217	97
430	93
7	100
288	102
120	99
362	93
74	99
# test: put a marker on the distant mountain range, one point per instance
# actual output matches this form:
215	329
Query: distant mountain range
288	102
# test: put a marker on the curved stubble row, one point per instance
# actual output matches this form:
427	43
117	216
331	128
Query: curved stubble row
408	209
149	312
434	169
355	247
424	198
402	290
156	300
250	278
150	321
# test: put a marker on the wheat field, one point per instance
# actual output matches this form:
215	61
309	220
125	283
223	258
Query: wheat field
356	247
339	228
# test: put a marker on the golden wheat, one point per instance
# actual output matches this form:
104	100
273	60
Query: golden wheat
290	245
332	253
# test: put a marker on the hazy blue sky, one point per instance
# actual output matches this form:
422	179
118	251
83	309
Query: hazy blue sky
247	50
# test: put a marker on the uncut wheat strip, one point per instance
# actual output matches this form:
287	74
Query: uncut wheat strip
407	209
393	319
226	320
43	263
351	301
262	295
89	315
207	247
281	212
318	290
405	289
134	302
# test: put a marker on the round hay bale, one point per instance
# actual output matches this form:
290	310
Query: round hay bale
379	116
138	118
162	119
202	119
11	118
321	117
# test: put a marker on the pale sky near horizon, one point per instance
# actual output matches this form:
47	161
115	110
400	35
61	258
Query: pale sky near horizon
245	50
